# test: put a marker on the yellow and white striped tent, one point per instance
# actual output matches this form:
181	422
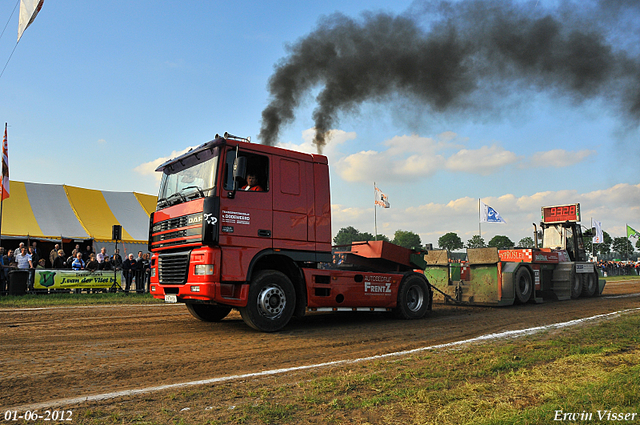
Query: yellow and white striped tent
49	211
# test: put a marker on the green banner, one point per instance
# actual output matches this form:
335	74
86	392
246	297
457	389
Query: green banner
61	279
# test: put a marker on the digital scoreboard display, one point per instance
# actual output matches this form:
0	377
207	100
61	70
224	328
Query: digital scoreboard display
561	213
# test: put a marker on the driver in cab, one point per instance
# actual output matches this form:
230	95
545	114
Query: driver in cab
252	184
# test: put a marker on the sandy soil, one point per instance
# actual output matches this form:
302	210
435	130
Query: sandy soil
58	353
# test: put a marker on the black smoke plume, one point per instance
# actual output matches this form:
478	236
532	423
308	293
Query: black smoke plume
460	56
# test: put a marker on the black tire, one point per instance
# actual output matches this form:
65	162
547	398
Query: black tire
523	286
208	312
589	284
271	303
414	298
576	285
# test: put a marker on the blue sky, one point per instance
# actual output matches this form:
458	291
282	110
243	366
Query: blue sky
98	93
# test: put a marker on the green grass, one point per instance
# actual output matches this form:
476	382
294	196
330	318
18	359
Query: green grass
47	300
619	278
519	381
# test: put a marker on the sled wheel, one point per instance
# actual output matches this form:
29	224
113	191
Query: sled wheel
576	285
589	285
413	298
208	312
523	285
272	300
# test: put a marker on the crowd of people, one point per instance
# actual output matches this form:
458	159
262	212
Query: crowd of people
29	258
619	268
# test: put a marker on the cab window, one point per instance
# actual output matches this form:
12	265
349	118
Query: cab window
257	175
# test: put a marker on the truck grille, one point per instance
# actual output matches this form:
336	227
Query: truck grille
173	268
176	223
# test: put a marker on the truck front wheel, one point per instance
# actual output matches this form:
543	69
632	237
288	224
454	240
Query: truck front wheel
207	312
413	298
271	302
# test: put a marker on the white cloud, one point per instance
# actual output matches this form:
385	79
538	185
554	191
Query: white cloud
410	157
614	207
558	158
483	161
149	168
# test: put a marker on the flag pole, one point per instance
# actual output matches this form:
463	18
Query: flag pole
375	214
2	188
479	222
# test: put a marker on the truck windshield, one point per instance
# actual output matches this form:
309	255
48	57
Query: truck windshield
190	178
553	238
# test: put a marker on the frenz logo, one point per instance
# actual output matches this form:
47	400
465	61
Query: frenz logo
383	287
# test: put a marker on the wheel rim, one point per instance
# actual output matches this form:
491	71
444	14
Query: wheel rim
415	298
271	301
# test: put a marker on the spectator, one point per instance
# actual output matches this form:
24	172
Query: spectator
117	260
18	251
41	264
60	260
86	255
23	260
92	264
35	260
146	266
54	254
78	263
3	272
139	276
129	267
106	265
101	255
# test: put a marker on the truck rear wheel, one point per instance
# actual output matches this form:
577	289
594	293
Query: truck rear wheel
413	298
272	300
589	285
523	285
576	285
207	312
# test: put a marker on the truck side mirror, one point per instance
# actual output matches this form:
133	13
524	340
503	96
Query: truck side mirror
239	168
239	172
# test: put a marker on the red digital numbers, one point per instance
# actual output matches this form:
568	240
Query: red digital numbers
561	213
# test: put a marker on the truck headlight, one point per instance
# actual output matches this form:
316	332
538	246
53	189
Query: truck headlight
153	272
203	269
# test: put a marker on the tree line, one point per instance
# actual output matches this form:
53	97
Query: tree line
452	242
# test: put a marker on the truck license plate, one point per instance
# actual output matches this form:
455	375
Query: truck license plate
171	298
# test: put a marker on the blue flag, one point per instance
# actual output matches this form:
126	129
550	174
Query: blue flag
489	215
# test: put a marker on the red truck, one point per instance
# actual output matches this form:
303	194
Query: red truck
246	226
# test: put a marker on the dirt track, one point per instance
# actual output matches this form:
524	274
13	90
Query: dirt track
59	353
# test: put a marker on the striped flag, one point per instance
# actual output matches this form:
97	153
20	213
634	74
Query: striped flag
381	199
4	187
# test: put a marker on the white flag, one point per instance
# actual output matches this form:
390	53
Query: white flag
599	236
28	11
381	199
489	215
